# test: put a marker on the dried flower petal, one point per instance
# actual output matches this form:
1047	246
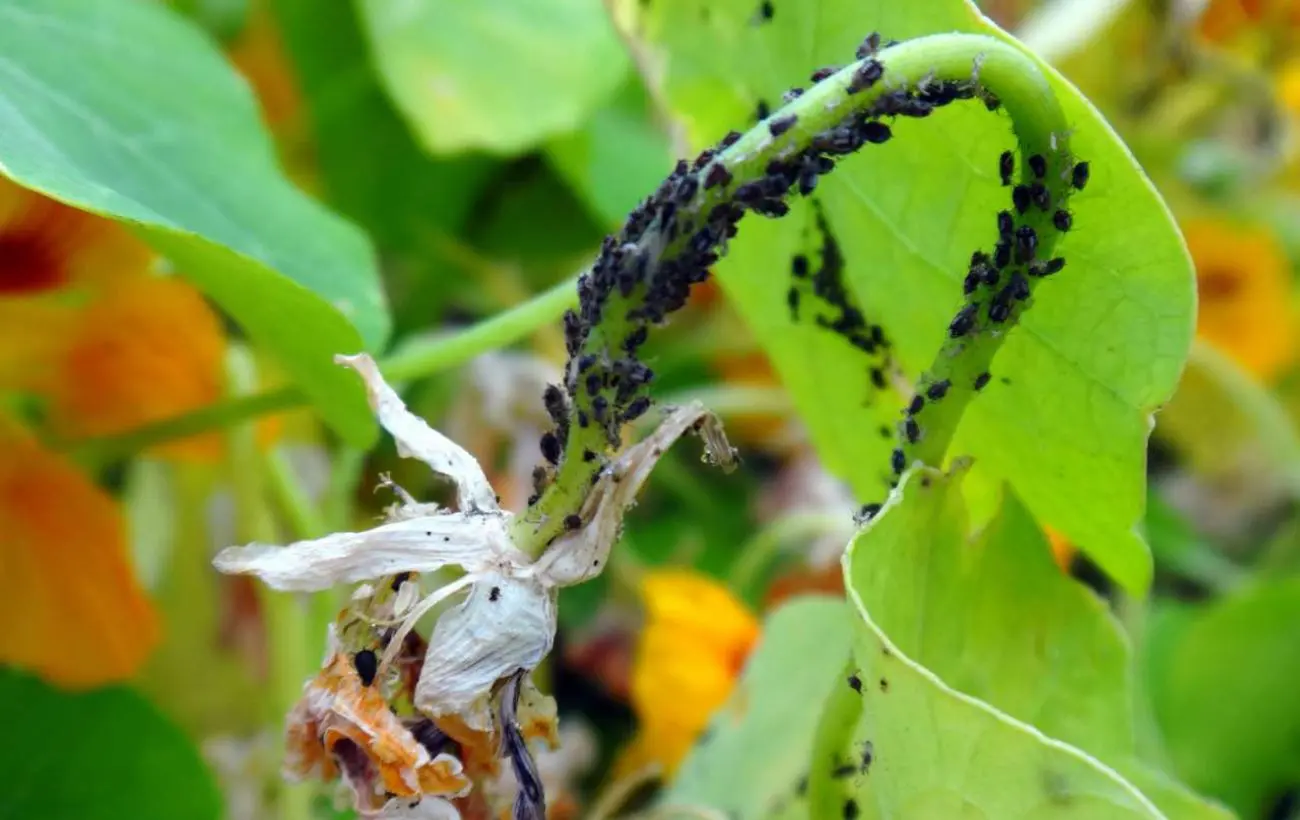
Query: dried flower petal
416	439
581	555
424	544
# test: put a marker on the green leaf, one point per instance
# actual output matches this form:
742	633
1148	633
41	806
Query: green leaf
757	748
980	657
1102	346
1223	684
104	754
616	158
501	75
373	171
125	110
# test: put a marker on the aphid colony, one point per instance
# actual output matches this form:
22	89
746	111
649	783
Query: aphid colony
668	243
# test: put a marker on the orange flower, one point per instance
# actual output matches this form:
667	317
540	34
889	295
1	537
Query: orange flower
1244	282
74	610
1227	22
695	642
257	54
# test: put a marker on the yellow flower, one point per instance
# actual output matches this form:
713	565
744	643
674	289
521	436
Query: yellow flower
696	639
74	611
1243	279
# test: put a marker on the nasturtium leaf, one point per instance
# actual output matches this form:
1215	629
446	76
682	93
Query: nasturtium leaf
1222	681
373	172
102	755
1100	349
500	75
125	110
616	158
976	655
752	758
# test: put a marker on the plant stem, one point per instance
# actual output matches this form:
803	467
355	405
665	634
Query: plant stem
415	361
995	66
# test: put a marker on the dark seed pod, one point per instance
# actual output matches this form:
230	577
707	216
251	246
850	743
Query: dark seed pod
1006	167
938	390
1079	176
1038	165
1062	220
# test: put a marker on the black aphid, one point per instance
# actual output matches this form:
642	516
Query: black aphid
557	406
1038	165
824	72
855	682
1041	196
911	430
1026	243
878	378
1018	287
1079	176
780	125
594	382
1020	198
1006	166
551	447
572	521
938	390
1062	220
964	321
869	46
981	380
716	175
637	408
1002	254
367	665
733	137
972	281
799	265
868	512
875	132
1047	267
850	809
1006	224
762	110
866	76
999	311
766	10
792	95
918	402
792	299
897	461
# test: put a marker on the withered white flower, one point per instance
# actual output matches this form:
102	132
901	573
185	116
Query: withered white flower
507	621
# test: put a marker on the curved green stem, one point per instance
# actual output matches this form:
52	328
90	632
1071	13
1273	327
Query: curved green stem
992	65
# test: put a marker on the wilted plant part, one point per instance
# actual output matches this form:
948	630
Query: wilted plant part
480	651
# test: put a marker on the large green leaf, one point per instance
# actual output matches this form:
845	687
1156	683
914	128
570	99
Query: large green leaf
1223	683
756	750
101	755
124	109
1102	346
501	75
373	171
994	618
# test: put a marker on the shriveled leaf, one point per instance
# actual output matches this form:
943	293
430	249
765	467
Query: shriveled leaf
125	110
1221	680
752	758
499	75
1100	349
104	755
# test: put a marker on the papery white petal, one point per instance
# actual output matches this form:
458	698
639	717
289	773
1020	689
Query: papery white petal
581	554
429	808
506	624
416	439
415	545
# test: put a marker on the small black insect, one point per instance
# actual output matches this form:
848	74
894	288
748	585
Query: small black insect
938	390
716	175
1020	198
1038	165
551	447
594	382
1026	243
1018	287
766	10
918	402
875	132
855	683
912	430
1005	224
792	95
972	281
1006	166
1048	267
367	666
733	137
780	125
635	339
866	76
979	258
850	809
573	521
586	361
762	111
799	265
964	321
999	311
792	299
824	72
1062	220
494	594
1079	176
868	512
588	456
637	408
878	378
1041	196
869	46
897	461
1002	254
981	380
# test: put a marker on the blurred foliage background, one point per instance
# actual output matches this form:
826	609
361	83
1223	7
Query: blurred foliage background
485	149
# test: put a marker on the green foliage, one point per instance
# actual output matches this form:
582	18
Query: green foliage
124	110
1103	344
1223	684
501	75
101	755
